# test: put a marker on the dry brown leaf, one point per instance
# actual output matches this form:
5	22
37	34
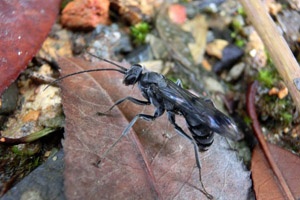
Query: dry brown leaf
216	47
264	179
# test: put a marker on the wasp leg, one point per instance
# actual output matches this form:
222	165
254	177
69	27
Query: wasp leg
171	117
179	83
133	100
158	112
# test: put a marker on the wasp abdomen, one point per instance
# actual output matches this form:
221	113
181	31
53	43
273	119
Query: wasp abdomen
204	137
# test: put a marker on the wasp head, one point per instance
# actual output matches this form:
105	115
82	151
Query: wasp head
133	74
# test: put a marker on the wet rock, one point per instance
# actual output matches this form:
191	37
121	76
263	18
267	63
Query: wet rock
231	54
213	85
141	54
85	14
108	40
175	38
9	99
235	72
46	182
289	22
158	47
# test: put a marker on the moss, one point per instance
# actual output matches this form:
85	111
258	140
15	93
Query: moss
287	118
26	149
277	110
266	77
247	120
139	32
236	35
237	26
240	42
241	11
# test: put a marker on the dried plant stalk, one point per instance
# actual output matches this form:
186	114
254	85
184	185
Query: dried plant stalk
279	50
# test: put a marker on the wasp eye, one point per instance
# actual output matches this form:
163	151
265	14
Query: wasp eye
133	74
130	80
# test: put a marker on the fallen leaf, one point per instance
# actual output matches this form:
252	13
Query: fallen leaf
264	179
273	169
288	163
152	162
198	28
216	47
24	26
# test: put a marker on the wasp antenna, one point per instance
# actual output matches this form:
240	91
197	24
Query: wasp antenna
108	61
85	71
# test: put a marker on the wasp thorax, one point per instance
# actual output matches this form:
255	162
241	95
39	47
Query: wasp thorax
133	74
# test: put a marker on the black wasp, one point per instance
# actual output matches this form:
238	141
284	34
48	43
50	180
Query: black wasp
202	117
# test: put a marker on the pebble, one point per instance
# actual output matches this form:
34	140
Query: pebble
235	72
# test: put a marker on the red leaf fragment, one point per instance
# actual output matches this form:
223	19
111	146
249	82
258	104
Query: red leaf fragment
24	26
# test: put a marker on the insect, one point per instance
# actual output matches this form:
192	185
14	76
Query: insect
203	119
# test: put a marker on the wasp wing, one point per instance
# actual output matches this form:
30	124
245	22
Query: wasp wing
198	110
185	100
